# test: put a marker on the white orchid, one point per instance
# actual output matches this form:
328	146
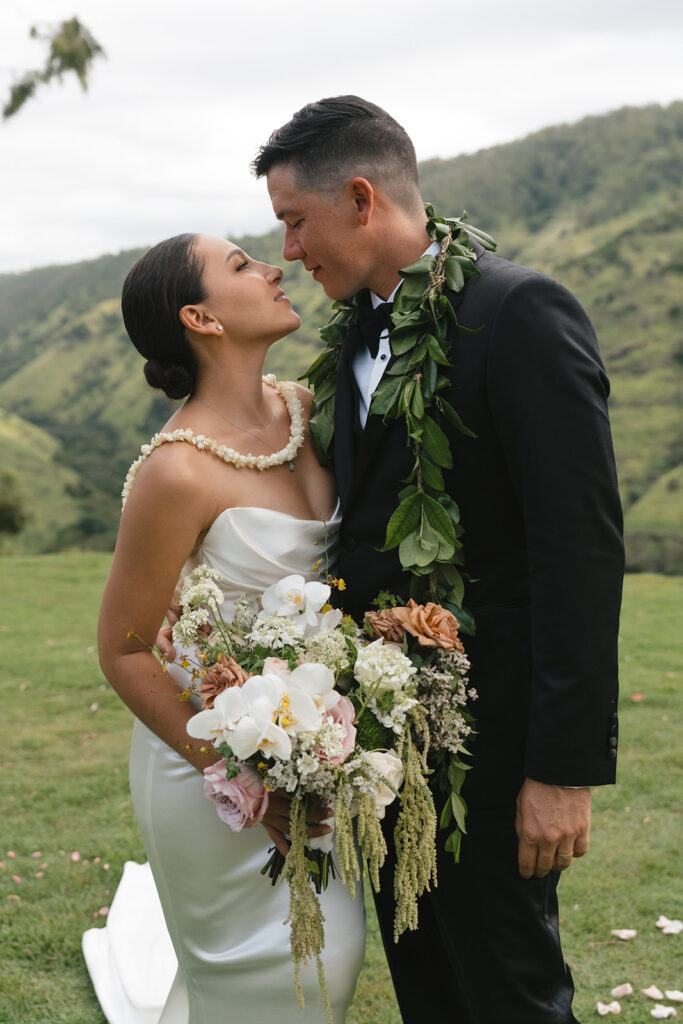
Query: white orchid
257	731
246	719
293	596
218	723
317	681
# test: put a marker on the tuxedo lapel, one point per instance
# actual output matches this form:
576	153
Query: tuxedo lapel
370	441
346	417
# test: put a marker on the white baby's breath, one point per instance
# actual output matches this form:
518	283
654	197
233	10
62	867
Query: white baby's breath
276	632
186	629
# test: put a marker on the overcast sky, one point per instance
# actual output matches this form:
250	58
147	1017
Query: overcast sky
162	141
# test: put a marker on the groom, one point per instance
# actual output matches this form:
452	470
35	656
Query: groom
538	498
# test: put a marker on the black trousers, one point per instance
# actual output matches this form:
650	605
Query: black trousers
487	950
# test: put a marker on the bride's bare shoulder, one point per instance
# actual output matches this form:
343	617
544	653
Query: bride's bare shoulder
168	469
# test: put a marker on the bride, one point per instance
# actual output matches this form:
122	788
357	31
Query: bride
204	315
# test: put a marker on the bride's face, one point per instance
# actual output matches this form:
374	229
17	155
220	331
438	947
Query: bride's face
242	294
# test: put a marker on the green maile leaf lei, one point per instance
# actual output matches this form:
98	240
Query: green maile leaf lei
426	526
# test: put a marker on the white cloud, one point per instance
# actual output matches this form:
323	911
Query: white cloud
163	139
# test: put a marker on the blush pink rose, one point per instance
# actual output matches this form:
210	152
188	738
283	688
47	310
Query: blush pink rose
276	666
241	801
343	713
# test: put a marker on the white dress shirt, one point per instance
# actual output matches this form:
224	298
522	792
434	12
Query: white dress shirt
368	371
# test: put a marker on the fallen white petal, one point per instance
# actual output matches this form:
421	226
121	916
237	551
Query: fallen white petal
662	921
605	1008
674	995
653	992
662	1012
673	928
624	933
623	990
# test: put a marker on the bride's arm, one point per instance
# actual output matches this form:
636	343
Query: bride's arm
167	509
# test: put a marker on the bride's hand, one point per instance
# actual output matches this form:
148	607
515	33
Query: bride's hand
276	820
164	640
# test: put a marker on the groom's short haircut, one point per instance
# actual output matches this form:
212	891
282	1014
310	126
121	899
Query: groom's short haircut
328	142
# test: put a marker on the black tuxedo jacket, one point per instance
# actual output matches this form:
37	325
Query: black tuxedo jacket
538	497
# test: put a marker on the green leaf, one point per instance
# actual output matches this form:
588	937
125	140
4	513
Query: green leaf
421	266
404	343
417	551
431	474
438	518
456	777
333	334
446	815
465	618
406	492
459	811
384	396
435	350
403	521
453	418
325	391
412	289
485	240
400	366
323	358
452	845
455	279
436	443
417	404
429	380
407	396
457	591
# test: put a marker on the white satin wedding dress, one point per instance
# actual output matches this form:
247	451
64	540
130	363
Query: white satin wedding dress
225	920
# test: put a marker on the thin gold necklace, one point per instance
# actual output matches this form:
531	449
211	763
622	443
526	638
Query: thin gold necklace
251	432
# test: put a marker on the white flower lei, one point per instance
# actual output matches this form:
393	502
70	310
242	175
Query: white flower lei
261	462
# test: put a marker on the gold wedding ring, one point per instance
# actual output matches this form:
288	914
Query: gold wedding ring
565	856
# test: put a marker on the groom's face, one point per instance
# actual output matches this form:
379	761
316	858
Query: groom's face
323	231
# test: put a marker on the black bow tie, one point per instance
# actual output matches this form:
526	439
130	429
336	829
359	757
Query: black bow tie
371	323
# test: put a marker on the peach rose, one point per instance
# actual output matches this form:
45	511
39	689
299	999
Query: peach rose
386	625
223	674
432	625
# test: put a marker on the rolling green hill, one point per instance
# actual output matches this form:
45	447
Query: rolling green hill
597	205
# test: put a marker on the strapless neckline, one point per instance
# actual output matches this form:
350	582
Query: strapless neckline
276	512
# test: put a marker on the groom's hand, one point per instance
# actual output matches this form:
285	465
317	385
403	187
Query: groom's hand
553	827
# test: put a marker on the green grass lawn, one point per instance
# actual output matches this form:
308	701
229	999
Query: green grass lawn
68	826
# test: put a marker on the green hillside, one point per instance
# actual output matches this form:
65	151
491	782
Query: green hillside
597	205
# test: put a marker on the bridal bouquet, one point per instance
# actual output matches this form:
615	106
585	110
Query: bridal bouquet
297	697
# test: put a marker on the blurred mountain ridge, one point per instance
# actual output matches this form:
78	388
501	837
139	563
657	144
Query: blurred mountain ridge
596	205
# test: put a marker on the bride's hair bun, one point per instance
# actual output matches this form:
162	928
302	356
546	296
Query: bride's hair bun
166	278
174	381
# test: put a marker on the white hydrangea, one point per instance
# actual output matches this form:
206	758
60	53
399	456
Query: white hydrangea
393	718
381	667
276	632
